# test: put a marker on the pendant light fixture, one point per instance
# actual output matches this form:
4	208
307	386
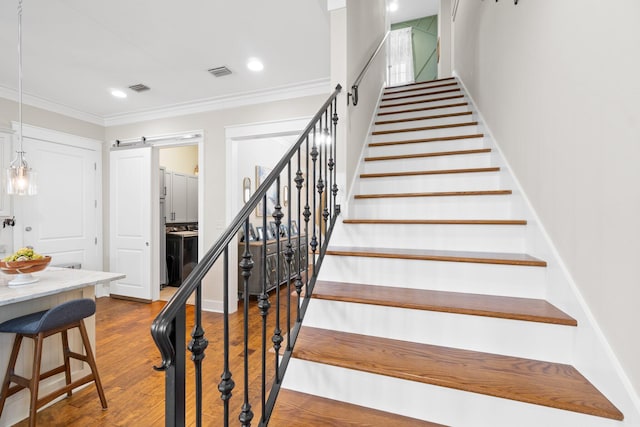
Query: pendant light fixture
21	179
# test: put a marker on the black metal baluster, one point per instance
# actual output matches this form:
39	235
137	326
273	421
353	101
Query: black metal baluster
307	216
197	346
334	189
299	181
314	238
325	211
246	415
331	164
174	376
263	306
277	333
226	384
289	255
320	186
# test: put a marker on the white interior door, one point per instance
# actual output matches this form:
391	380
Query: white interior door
131	224
62	220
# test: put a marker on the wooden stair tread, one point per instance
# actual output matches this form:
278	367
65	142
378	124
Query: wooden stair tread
415	110
526	309
439	255
400	104
296	409
438	221
425	128
435	194
420	83
434	154
429	172
541	383
415	119
436	139
389	96
413	89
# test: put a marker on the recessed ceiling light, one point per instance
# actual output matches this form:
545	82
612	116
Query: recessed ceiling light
254	64
118	93
393	7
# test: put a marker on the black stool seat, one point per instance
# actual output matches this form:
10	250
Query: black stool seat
54	318
38	326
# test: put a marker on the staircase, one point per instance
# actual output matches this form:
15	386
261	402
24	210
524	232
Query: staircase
428	309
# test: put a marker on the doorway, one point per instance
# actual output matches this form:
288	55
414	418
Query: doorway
178	233
143	280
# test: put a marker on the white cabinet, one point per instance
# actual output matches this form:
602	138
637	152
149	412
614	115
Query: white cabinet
181	201
179	196
192	199
5	159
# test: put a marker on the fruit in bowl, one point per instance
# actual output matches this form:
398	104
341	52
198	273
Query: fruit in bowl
24	261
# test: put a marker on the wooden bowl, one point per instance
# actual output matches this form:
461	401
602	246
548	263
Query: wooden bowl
25	267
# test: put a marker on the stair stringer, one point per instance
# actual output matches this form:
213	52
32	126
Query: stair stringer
592	354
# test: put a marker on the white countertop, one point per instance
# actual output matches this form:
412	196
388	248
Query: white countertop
53	280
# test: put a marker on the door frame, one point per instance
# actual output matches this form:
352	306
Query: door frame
234	135
192	137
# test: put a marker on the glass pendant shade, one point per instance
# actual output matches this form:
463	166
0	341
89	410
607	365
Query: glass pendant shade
21	179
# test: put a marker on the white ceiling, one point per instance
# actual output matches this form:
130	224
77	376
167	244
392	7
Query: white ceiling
76	51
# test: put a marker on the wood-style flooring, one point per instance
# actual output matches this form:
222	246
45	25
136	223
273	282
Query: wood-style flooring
135	391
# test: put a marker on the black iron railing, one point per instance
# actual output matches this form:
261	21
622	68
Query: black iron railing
354	87
295	262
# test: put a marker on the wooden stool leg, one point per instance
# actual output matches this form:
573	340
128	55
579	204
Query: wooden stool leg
67	361
35	379
10	369
92	364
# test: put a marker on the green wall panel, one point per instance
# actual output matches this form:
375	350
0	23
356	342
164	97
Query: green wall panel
425	40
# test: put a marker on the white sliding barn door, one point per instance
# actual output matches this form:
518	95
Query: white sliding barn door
131	225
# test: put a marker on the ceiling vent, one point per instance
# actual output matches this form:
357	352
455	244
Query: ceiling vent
139	87
220	71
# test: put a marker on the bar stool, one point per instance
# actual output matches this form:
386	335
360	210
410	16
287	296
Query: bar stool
38	326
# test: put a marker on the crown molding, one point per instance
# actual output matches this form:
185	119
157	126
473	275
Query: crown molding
51	106
280	93
298	90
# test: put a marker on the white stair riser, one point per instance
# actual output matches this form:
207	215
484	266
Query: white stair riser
435	133
489	279
453	99
431	112
451	84
426	147
531	340
427	402
493	238
426	183
454	207
425	122
456	161
427	95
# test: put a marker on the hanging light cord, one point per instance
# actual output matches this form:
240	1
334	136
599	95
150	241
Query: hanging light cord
20	75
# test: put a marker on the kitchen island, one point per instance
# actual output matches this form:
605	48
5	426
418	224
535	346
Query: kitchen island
55	285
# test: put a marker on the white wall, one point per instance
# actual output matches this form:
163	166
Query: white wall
557	83
179	159
356	31
444	39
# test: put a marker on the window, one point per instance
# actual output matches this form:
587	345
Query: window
400	57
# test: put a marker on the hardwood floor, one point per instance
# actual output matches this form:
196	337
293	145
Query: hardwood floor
135	392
